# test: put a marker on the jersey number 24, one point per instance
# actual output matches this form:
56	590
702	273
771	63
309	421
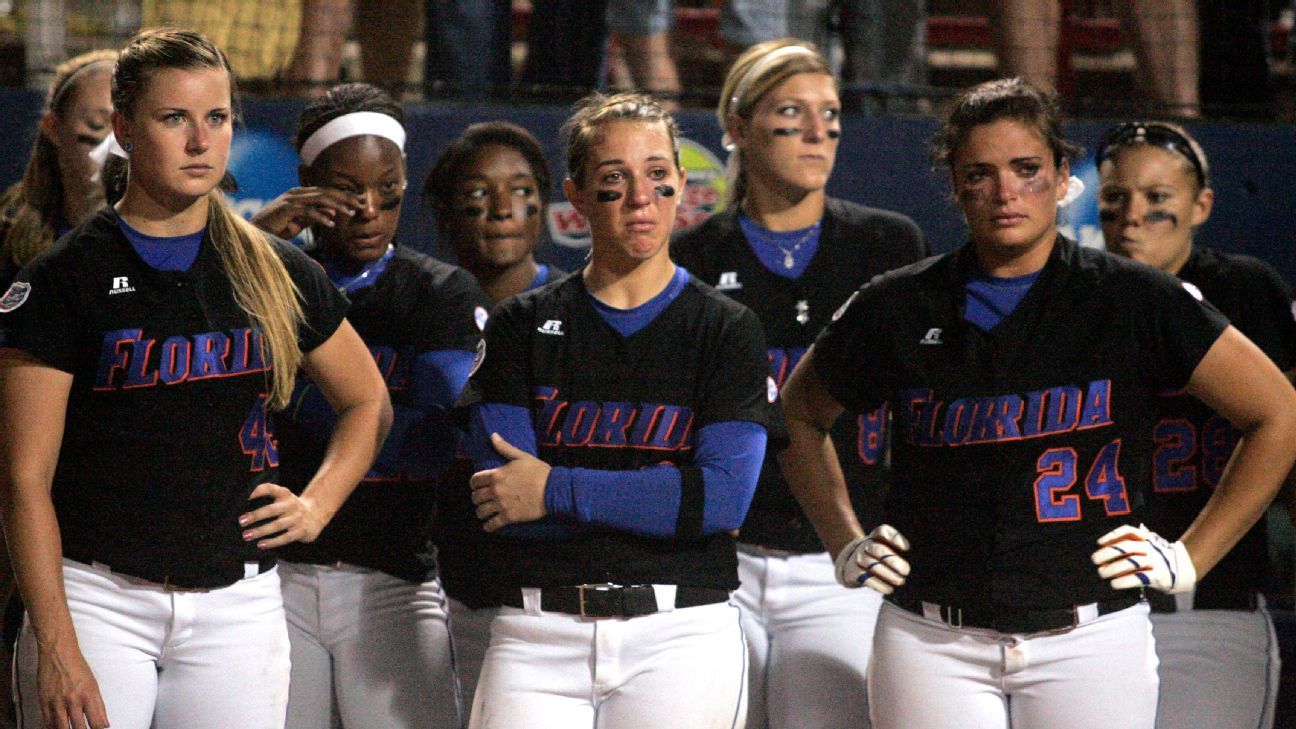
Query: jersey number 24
1057	469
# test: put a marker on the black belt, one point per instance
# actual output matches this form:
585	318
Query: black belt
1162	602
615	601
1007	620
168	582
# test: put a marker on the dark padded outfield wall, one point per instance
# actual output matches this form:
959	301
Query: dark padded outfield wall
882	162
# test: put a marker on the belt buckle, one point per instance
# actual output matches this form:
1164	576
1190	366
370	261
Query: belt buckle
593	586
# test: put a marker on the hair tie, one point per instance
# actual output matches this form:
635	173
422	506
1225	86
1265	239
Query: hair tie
355	124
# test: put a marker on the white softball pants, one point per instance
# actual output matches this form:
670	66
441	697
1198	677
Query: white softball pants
927	674
808	639
470	635
173	660
373	648
1219	668
683	669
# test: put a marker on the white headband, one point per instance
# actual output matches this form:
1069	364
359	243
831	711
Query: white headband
759	68
355	124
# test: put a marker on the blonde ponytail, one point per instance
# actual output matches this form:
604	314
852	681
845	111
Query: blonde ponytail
263	288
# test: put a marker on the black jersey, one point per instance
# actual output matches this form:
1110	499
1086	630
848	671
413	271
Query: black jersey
1192	444
166	432
604	401
1015	449
856	243
417	305
467	557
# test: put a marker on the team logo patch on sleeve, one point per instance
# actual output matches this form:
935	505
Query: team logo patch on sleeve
480	316
479	357
771	389
1196	292
15	296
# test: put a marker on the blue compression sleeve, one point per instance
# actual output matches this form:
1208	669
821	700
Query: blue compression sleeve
439	376
421	442
662	501
513	423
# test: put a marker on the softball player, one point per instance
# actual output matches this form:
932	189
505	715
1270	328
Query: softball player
366	613
57	191
1218	654
793	255
60	188
488	190
142	354
618	417
1023	372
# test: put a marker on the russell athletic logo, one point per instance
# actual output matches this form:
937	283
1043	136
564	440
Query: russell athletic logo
728	281
120	285
552	327
933	336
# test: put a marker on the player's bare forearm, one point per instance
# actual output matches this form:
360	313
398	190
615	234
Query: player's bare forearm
810	462
1252	479
1240	383
34	398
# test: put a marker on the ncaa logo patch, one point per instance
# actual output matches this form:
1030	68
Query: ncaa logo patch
1196	292
479	357
15	296
480	316
771	389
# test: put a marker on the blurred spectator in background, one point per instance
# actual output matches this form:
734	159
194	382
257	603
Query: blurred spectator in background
1162	33
566	47
469	44
1235	58
883	42
258	35
884	48
386	31
642	29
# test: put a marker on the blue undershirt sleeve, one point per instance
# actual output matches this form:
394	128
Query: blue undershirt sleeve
709	496
421	442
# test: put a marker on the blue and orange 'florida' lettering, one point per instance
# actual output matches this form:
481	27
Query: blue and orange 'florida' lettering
128	360
926	421
650	426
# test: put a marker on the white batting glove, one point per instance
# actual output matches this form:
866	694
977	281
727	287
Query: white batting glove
1139	557
873	561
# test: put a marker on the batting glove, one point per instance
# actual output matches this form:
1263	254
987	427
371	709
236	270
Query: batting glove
1139	557
873	561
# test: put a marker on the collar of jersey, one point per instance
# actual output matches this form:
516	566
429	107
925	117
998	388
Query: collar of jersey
365	277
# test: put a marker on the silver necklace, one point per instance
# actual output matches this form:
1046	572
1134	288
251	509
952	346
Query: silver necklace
789	254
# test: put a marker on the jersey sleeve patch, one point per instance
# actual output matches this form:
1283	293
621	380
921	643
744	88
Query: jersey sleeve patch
15	297
771	390
480	316
1196	292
